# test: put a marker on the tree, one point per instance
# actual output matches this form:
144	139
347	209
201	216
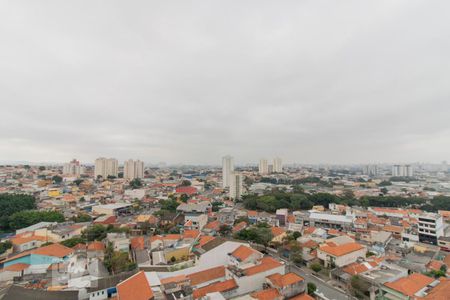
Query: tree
78	181
186	183
311	287
136	183
117	262
72	242
57	179
184	198
169	204
4	246
82	218
384	190
225	230
41	168
94	233
30	217
316	267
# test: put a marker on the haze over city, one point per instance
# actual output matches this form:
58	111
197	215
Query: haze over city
309	81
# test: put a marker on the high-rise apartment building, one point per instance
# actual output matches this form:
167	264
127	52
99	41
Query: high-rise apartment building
277	165
133	169
263	166
370	170
431	228
227	170
402	171
236	186
73	168
105	167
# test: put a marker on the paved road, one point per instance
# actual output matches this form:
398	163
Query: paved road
323	288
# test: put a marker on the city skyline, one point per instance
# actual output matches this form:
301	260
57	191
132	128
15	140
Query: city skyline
341	83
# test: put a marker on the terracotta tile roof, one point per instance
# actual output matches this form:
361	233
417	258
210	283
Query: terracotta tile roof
191	234
137	243
342	249
252	213
291	219
269	294
173	279
204	239
282	281
239	226
276	231
435	265
79	246
242	252
266	263
214	225
303	296
222	286
175	237
309	230
207	275
135	288
393	229
357	268
16	267
19	240
96	246
441	291
410	285
309	244
188	190
55	250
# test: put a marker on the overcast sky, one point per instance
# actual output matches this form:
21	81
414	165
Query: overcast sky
190	81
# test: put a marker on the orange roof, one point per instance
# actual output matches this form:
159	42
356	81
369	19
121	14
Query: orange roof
96	246
291	219
19	240
410	285
214	225
207	275
178	278
191	234
309	230
222	286
239	226
204	239
172	237
284	280
309	244
341	249
137	243
135	287
435	265
276	231
55	250
252	213
242	252
394	229
79	246
356	268
16	267
266	263
302	297
439	292
268	294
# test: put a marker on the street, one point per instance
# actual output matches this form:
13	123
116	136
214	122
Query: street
323	288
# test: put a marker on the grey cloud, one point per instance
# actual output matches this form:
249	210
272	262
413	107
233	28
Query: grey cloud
190	81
